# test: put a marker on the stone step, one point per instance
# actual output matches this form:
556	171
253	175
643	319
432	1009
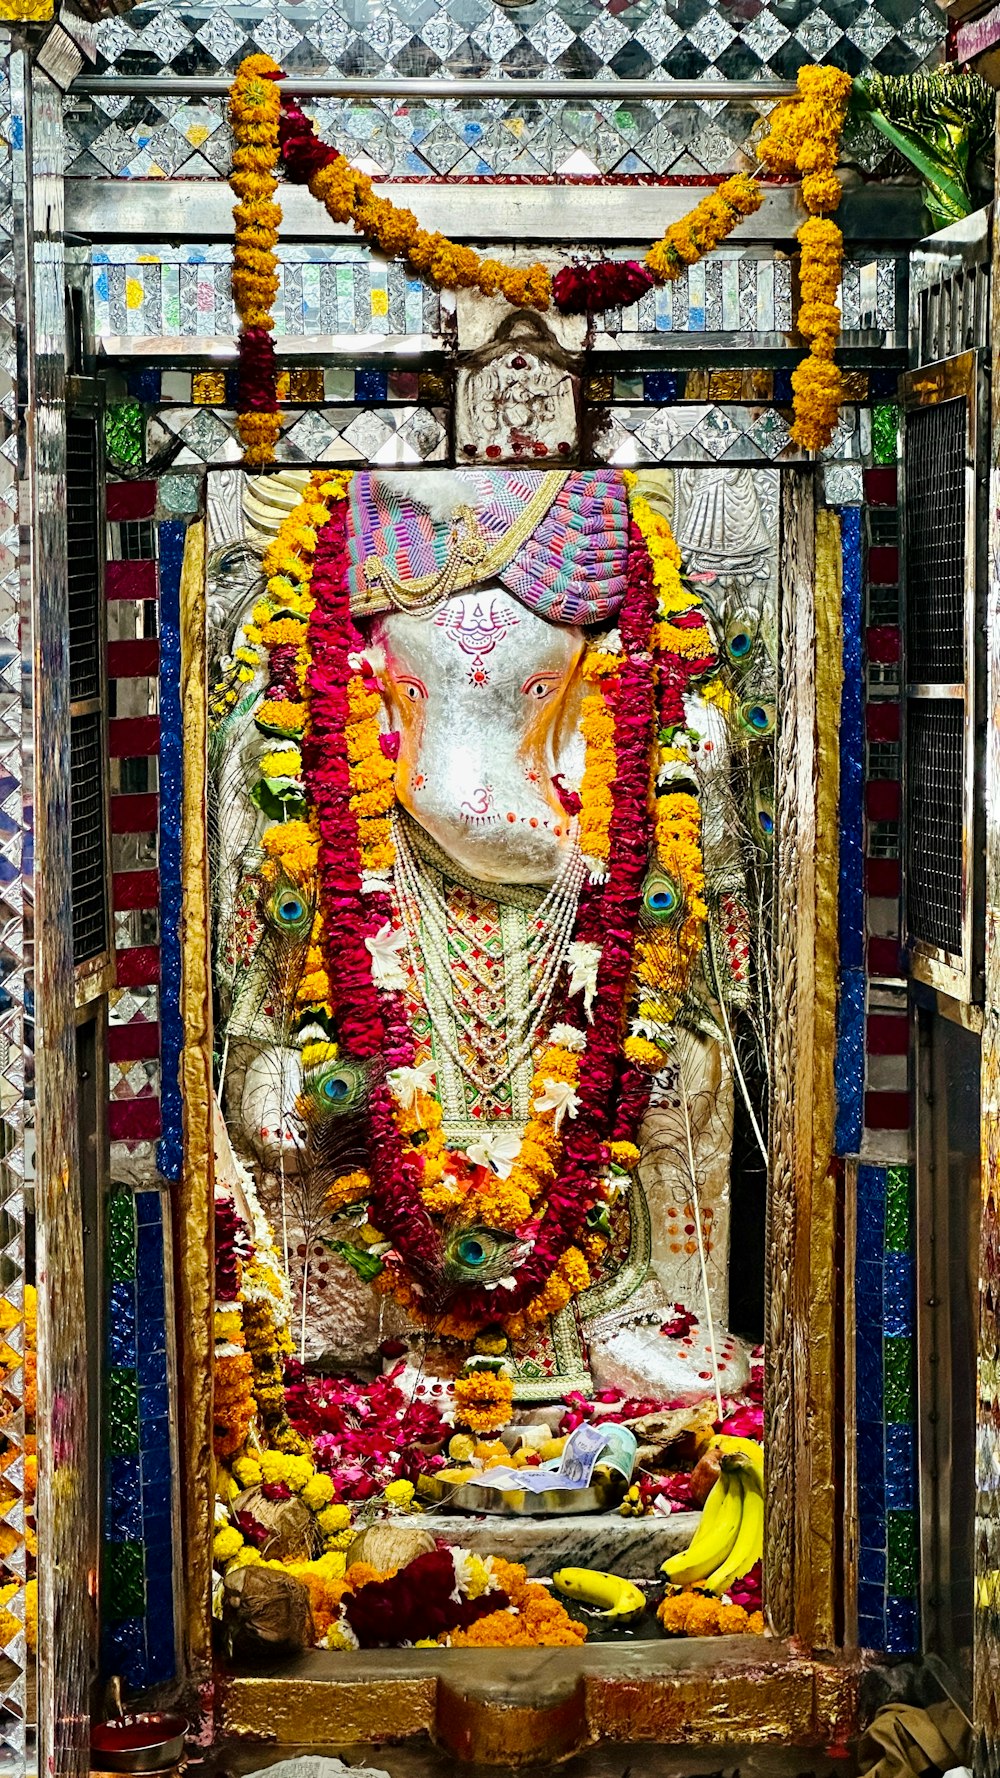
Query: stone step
630	1547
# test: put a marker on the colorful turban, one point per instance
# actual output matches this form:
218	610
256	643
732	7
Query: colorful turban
557	540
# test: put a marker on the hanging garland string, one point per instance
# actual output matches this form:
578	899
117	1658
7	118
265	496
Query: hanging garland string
803	137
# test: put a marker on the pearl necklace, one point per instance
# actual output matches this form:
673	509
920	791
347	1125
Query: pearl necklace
513	1023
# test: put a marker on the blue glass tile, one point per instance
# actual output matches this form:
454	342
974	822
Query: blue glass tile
156	1501
149	1258
868	1295
871	1567
899	1450
883	384
849	1063
659	385
898	1294
148	1208
151	1369
871	1509
153	1404
123	1507
871	1601
144	385
871	1632
871	1460
783	388
371	385
150	1305
901	1622
155	1460
870	1393
121	1336
871	1210
160	1664
154	1435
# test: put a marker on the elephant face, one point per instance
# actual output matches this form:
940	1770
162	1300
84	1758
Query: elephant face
485	696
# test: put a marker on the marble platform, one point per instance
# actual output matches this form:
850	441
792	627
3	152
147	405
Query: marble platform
634	1548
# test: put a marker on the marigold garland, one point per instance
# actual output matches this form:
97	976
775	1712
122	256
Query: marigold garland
803	136
484	1400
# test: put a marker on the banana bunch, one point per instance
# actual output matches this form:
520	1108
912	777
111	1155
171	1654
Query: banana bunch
730	1537
620	1600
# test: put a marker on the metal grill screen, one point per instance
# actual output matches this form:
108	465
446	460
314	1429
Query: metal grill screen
935	773
935	543
90	916
82	522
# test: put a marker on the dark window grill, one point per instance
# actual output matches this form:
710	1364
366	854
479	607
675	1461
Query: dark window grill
83	538
935	542
90	914
935	774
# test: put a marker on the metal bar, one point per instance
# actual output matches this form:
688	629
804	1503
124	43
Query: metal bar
217	86
593	215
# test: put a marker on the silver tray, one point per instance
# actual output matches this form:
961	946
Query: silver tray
518	1503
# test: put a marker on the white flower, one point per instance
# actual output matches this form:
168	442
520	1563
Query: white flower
385	948
498	1151
406	1083
582	961
611	643
559	1096
568	1037
597	871
649	1029
375	882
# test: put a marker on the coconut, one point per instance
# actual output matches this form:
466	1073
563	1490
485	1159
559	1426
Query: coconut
390	1545
290	1525
266	1612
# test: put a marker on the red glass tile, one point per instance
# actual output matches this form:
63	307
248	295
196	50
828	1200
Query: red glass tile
883	800
135	814
880	487
138	1042
883	876
883	564
883	642
133	737
883	721
887	1034
131	500
135	889
138	966
134	660
134	1120
885	957
130	580
887	1111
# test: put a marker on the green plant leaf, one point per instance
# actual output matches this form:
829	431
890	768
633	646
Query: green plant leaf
365	1264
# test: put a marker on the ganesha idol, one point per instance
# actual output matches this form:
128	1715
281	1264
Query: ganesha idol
481	922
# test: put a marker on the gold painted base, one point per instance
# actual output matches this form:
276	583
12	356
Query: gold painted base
526	1707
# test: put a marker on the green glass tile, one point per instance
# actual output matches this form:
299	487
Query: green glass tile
885	432
123	433
901	1560
121	1400
121	1238
180	493
897	1210
898	1360
123	1583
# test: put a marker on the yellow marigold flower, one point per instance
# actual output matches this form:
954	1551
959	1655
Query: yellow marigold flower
400	1494
315	1053
334	1519
281	714
225	1543
317	1493
348	1189
644	1054
281	762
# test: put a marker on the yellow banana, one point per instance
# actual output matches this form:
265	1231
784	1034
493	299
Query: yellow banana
749	1545
747	1448
712	1542
620	1599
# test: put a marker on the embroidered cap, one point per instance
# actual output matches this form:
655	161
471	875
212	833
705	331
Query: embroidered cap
556	539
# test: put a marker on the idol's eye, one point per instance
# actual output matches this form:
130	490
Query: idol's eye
414	690
538	688
758	716
290	910
661	897
337	1086
739	637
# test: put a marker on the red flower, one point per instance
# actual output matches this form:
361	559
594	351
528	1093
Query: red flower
301	149
611	284
415	1604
